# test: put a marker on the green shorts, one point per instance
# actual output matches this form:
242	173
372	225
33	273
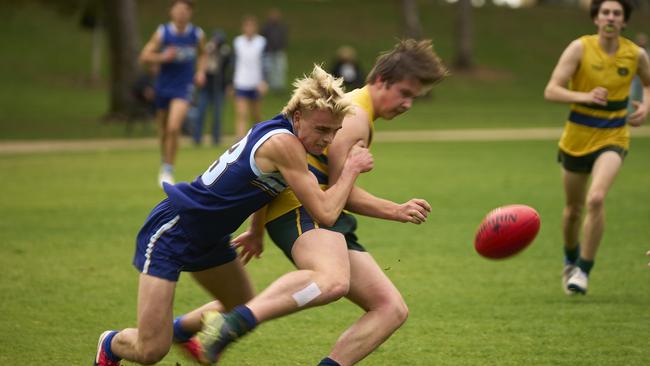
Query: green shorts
584	164
287	228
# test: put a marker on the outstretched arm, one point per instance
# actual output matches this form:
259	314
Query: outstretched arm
355	128
364	203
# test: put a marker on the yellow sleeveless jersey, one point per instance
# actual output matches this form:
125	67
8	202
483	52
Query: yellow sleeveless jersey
287	200
591	127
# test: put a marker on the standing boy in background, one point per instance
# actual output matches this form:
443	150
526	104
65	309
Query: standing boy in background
276	32
218	75
248	80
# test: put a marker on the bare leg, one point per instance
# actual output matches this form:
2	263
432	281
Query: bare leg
235	291
323	259
385	310
256	106
151	341
177	111
161	122
604	172
242	116
575	188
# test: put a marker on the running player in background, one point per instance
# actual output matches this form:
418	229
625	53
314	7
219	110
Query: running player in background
594	75
178	47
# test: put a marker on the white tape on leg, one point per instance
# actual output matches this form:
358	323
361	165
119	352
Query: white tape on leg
307	294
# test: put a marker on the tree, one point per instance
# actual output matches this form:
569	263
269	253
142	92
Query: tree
464	36
123	43
412	26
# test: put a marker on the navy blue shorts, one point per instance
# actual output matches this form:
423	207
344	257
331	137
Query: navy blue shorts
251	94
164	97
163	249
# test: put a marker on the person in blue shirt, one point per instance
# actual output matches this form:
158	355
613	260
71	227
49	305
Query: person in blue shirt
178	47
190	229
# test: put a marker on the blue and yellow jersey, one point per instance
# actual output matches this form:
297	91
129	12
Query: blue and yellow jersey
591	127
287	200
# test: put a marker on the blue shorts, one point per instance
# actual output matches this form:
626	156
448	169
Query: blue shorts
163	98
163	249
251	94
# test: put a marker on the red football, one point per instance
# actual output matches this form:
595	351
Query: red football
506	231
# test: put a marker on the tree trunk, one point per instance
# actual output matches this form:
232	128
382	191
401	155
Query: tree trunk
412	26
96	54
464	36
123	42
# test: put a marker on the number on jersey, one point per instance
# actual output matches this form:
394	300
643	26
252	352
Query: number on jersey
220	165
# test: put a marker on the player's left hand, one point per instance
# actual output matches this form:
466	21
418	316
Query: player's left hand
251	244
639	115
648	254
414	211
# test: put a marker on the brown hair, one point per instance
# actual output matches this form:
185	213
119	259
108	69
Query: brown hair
409	59
189	3
595	8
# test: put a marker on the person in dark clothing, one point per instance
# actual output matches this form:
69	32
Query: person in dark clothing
347	66
218	77
276	33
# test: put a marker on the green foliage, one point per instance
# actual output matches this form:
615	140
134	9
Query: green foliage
46	91
71	219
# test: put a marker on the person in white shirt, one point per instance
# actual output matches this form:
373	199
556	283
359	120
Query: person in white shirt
248	81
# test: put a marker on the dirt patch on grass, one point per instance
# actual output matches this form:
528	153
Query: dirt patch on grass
507	134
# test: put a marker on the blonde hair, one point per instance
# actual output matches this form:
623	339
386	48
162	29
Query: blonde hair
318	91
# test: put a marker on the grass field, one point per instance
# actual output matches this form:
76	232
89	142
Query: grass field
70	218
70	221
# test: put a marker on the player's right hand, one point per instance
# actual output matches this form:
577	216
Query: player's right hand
360	158
414	211
169	54
598	95
251	245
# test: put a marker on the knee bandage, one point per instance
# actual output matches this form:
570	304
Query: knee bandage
307	294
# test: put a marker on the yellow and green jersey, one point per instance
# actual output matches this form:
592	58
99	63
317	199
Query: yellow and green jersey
287	200
591	127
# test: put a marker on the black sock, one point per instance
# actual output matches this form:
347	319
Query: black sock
571	254
585	265
328	362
